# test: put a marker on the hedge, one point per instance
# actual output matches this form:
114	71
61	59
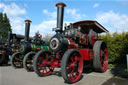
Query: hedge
117	44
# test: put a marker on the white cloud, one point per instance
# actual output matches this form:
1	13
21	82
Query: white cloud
96	5
73	13
116	21
45	27
52	15
14	12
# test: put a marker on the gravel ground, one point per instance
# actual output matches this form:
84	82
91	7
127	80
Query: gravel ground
11	76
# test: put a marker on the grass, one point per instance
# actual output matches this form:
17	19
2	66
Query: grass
111	65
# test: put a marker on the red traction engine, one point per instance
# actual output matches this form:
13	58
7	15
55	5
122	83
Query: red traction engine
72	48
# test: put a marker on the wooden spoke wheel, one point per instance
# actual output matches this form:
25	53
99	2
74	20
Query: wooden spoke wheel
28	61
2	56
16	60
72	66
43	63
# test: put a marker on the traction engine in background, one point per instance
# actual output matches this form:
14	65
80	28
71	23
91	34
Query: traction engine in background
24	57
7	48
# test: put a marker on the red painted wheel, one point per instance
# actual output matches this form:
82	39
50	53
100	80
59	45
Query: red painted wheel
17	60
43	63
100	61
72	66
28	61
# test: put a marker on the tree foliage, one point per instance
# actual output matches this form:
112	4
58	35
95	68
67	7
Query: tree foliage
117	46
5	26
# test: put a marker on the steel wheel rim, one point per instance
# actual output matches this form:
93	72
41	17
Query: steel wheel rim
44	65
29	62
75	67
1	57
104	58
16	61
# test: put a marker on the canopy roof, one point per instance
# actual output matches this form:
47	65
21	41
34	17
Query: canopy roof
90	24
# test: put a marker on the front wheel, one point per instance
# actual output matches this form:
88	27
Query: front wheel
16	60
28	61
3	57
43	63
72	66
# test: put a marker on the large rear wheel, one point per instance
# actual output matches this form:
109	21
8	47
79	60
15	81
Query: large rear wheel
16	60
100	62
72	66
43	63
28	61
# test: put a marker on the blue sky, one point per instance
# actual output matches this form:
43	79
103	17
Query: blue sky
112	14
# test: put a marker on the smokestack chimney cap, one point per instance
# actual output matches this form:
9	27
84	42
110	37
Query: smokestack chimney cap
60	5
28	21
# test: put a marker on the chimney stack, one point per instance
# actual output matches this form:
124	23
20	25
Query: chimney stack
27	29
60	14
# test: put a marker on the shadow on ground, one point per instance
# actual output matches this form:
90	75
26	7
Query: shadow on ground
115	81
119	72
3	65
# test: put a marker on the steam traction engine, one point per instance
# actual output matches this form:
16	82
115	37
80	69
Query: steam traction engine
36	45
71	47
28	49
7	48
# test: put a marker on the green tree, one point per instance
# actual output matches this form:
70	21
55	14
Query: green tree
117	46
1	24
6	22
5	26
1	17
